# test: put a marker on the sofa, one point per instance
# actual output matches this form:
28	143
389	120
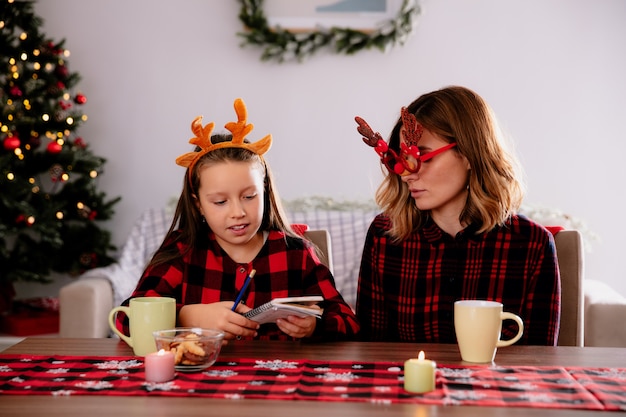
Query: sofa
84	304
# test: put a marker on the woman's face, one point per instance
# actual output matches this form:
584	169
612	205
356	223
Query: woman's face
440	186
230	198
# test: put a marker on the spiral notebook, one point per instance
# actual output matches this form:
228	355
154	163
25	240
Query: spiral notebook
282	307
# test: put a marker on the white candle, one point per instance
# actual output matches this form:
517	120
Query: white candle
159	366
419	374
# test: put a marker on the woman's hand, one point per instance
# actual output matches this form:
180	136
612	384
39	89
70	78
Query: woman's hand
219	316
297	327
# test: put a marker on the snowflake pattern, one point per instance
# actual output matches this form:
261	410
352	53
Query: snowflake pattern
276	364
523	386
456	373
380	401
342	376
58	371
461	395
256	383
94	385
537	398
119	365
612	373
160	386
221	373
532	386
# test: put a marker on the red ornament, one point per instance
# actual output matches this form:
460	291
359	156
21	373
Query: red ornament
54	147
11	143
80	143
62	71
15	91
80	99
65	104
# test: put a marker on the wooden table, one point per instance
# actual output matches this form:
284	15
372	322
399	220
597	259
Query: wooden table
94	406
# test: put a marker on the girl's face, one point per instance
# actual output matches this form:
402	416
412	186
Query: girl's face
440	184
230	198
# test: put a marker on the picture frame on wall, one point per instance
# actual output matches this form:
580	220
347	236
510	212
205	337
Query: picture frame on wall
305	15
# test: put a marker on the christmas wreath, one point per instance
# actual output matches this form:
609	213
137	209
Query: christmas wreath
282	45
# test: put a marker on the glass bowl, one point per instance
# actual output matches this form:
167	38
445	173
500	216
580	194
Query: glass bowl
194	348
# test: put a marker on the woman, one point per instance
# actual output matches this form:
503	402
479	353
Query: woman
449	229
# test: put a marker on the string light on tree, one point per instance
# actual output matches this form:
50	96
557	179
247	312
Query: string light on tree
44	166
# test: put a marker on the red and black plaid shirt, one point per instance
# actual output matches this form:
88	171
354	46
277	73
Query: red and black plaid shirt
407	291
285	267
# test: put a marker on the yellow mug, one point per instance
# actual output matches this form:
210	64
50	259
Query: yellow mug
145	315
478	326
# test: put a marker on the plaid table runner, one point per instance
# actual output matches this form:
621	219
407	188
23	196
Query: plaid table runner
380	382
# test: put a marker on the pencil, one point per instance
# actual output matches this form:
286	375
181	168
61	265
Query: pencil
243	289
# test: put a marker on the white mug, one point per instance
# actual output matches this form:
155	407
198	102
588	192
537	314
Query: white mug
478	324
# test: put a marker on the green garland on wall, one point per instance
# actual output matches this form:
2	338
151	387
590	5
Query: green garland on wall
281	45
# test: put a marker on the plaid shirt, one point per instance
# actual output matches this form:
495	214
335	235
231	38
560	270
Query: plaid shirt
285	267
407	291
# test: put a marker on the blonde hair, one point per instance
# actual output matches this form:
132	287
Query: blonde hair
458	114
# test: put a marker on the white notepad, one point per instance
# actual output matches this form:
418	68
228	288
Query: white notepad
282	307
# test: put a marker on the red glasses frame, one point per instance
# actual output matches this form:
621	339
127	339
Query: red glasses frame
410	159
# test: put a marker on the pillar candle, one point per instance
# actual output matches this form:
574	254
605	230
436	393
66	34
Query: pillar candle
159	366
419	374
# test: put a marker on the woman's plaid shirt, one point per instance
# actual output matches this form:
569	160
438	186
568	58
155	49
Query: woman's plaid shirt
407	290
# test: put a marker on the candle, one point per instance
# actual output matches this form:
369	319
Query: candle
159	366
419	374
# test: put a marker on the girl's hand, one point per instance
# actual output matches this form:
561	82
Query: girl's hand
219	316
297	327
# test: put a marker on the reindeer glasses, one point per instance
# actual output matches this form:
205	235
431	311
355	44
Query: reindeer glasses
410	159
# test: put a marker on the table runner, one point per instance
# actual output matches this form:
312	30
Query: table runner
379	382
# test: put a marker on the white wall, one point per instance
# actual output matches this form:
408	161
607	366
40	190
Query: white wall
553	70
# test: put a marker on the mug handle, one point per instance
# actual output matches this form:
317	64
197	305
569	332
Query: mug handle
520	331
114	328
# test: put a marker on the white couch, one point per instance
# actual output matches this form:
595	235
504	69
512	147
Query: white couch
86	302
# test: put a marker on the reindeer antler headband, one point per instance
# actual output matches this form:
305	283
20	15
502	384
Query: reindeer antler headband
410	160
239	130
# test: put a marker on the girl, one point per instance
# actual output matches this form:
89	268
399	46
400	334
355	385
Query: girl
449	228
229	221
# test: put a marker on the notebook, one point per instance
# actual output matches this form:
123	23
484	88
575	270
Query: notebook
290	306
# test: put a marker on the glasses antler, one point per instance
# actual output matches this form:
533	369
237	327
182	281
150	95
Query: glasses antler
371	138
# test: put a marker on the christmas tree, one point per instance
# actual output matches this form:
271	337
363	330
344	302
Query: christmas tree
49	202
